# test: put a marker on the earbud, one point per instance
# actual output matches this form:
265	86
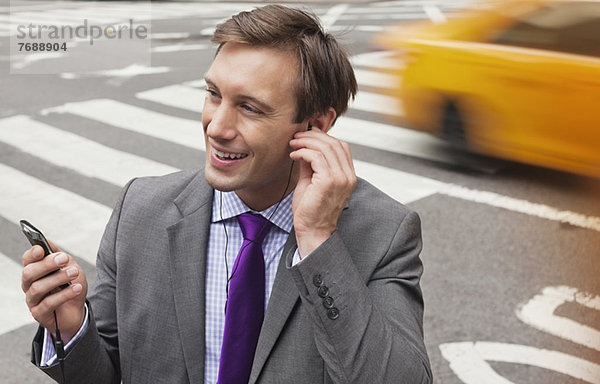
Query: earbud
309	127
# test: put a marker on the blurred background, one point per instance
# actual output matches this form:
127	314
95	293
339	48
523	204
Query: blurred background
482	116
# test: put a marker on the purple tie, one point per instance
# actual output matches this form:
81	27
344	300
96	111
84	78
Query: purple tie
245	304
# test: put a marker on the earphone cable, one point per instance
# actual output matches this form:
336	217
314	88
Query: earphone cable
60	349
249	241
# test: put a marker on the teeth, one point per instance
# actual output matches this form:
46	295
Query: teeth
225	155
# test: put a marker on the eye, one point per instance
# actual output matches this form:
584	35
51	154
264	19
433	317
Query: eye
251	109
211	93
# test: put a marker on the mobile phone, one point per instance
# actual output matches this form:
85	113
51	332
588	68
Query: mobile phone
36	237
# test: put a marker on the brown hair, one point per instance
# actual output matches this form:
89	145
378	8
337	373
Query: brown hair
326	75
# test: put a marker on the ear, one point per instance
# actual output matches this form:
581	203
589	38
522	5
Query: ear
325	121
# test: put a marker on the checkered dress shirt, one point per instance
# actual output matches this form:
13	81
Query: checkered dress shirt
216	271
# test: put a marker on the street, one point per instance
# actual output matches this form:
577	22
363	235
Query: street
511	258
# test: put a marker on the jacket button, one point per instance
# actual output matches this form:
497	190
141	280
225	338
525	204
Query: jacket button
317	280
328	302
333	313
323	291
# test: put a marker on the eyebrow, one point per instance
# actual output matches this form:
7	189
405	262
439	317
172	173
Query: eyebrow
266	107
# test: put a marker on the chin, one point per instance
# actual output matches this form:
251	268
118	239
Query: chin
221	182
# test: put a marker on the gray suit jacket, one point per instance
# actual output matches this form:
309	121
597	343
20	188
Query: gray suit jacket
147	324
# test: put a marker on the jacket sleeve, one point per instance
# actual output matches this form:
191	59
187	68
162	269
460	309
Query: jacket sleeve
95	357
368	329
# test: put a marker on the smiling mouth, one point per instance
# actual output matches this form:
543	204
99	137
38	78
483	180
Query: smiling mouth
229	156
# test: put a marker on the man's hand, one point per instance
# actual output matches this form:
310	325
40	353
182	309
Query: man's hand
326	181
43	294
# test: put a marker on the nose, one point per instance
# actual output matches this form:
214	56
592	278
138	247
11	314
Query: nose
219	122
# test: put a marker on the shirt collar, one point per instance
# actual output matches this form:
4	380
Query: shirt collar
233	206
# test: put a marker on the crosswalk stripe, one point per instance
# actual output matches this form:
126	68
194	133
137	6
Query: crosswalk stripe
180	48
50	17
411	3
377	59
174	129
376	103
193	99
413	188
77	15
179	96
141	13
388	10
388	138
401	186
77	153
375	79
384	16
12	300
75	222
360	28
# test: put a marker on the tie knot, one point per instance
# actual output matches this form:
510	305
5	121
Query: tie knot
254	227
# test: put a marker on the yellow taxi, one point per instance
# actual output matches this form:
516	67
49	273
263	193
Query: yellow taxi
513	79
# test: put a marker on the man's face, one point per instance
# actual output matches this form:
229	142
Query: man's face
247	119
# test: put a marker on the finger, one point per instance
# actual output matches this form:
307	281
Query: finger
41	287
336	152
315	160
321	143
32	255
36	270
51	302
316	139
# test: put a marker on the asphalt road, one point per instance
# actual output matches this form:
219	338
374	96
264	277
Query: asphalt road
511	290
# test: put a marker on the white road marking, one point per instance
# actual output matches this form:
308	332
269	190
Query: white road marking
15	313
377	103
174	129
384	16
377	59
539	313
522	206
35	18
196	83
169	35
360	28
77	153
180	48
376	79
410	3
24	61
434	14
332	15
179	96
129	71
75	222
34	7
403	187
99	13
389	138
182	96
469	360
209	31
388	10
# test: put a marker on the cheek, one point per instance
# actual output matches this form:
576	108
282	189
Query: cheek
206	117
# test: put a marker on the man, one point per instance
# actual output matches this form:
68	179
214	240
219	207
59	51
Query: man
339	298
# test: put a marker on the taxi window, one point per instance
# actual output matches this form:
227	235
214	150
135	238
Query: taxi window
572	27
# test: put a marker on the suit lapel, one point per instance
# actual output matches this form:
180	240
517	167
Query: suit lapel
188	241
283	298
